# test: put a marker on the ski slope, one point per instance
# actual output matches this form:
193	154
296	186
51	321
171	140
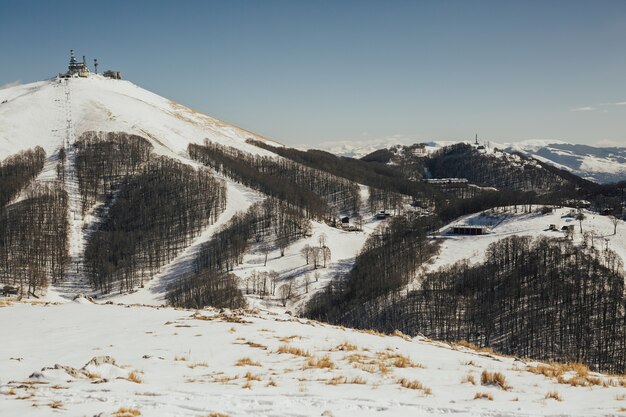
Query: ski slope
156	362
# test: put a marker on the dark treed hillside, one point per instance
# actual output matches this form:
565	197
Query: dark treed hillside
505	171
319	193
104	159
34	239
541	298
18	170
155	214
272	224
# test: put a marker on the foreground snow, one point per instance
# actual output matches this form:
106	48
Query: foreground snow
184	363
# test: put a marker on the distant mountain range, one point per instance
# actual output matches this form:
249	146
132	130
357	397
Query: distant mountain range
598	164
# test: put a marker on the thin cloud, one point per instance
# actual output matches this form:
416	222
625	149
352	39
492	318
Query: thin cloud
583	109
11	84
621	103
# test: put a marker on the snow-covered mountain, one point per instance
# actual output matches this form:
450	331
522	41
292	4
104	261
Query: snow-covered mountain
599	164
37	114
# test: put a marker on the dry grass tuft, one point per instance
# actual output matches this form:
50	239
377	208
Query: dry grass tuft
483	396
575	374
56	404
496	378
255	345
218	415
288	339
346	347
127	412
469	378
133	376
398	360
293	351
180	358
271	383
336	380
92	375
198	365
251	377
323	363
415	384
247	385
468	345
5	303
246	362
554	396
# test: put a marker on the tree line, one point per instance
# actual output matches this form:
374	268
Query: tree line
542	298
320	194
389	260
18	170
104	159
34	239
269	224
152	217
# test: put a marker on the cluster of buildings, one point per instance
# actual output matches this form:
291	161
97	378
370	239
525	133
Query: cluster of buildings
80	69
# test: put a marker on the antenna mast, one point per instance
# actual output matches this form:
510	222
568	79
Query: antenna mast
95	65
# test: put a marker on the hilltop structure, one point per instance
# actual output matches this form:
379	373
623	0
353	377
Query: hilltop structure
80	69
75	68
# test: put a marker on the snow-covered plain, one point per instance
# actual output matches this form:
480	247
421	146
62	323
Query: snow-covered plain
171	362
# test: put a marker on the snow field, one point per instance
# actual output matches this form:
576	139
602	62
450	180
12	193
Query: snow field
166	362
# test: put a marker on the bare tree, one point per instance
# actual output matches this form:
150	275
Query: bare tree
580	217
321	239
274	277
265	249
325	254
307	281
615	220
284	292
358	221
306	253
316	254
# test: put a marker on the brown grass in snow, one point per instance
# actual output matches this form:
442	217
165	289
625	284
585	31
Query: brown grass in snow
246	362
293	351
133	376
483	396
554	396
495	378
322	363
127	412
469	378
415	384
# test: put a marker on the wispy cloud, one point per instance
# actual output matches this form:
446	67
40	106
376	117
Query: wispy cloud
11	84
602	106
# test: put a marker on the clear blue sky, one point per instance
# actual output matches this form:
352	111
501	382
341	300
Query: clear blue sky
305	72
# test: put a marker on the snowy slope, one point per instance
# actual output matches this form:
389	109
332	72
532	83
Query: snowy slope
504	224
169	362
35	114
